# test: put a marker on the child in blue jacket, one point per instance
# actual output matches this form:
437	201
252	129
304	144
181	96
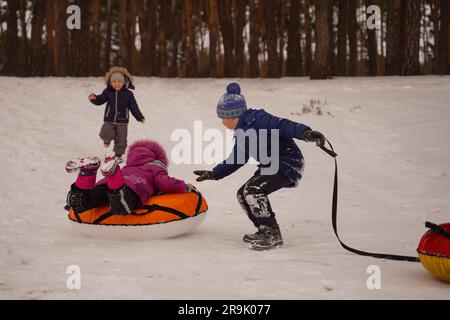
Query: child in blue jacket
280	161
119	102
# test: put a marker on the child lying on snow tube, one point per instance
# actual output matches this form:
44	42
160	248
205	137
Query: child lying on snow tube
123	189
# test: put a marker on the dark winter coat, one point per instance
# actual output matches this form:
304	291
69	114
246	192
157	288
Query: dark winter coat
118	105
290	157
146	171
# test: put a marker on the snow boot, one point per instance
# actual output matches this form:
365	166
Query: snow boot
120	201
110	164
270	238
86	166
77	199
249	237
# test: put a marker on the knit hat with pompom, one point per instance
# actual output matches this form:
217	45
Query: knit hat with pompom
232	104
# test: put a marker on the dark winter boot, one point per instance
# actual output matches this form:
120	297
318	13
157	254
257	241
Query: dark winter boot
269	239
77	200
249	237
120	201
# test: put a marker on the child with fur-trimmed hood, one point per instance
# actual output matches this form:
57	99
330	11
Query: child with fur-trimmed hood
119	102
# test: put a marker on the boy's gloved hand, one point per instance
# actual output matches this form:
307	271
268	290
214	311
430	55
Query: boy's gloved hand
311	136
142	120
204	175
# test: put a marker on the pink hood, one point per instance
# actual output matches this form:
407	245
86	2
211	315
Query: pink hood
144	151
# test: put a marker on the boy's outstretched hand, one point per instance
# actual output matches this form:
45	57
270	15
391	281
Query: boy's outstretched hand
204	175
142	120
92	97
314	136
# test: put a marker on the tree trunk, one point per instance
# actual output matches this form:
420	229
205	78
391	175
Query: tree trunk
321	64
332	37
37	47
254	39
411	39
177	8
148	28
341	69
294	53
11	38
281	27
23	54
146	60
271	34
394	37
443	37
372	45
352	39
239	9
308	39
226	29
448	39
50	59
62	40
191	58
124	36
95	37
133	50
107	39
213	24
79	45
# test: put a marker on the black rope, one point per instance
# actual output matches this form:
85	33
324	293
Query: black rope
334	219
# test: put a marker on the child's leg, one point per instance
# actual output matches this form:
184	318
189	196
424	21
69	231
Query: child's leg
115	181
253	197
254	200
120	140
121	199
84	199
107	132
85	182
78	197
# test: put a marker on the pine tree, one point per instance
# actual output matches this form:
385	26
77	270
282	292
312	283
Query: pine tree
411	38
321	64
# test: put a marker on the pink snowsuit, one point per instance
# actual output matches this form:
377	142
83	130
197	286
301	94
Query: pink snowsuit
145	172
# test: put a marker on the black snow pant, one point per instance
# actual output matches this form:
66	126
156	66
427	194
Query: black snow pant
121	201
252	196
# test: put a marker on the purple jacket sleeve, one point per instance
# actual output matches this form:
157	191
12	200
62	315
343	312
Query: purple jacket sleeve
100	99
165	183
134	108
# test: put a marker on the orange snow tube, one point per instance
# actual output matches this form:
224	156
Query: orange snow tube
158	209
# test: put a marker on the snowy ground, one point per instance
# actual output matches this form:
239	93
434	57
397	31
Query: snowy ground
391	135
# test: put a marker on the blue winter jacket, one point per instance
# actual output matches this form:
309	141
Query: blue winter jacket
118	105
290	158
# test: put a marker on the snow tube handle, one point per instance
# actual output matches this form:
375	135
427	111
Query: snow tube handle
435	228
330	152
